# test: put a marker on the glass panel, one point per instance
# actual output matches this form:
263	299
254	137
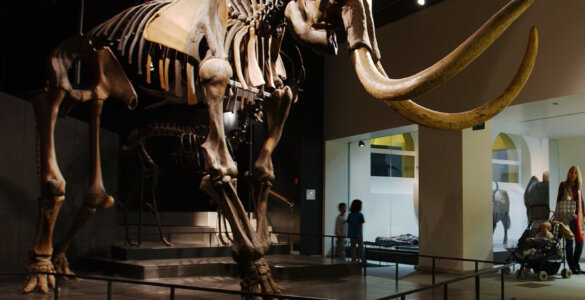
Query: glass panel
504	148
505	173
395	142
392	165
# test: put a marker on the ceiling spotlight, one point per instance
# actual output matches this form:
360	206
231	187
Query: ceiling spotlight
361	144
420	2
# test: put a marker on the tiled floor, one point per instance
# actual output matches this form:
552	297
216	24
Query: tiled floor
379	282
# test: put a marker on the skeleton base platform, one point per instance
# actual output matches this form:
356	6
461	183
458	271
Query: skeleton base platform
156	250
284	267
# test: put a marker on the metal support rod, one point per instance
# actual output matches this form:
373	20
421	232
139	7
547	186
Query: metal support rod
364	261
564	260
56	293
348	172
172	295
476	281
250	160
81	15
109	290
141	205
261	94
396	271
322	252
78	64
433	270
502	282
379	262
445	294
332	250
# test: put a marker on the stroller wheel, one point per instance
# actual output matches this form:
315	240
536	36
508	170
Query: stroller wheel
566	273
542	275
506	270
521	274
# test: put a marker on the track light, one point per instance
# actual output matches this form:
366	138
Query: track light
420	2
361	144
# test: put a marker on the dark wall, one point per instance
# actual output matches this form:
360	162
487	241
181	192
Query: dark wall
308	118
31	29
298	159
19	187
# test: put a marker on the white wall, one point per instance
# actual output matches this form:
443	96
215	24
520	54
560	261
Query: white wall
359	171
396	210
539	155
336	186
556	176
388	203
392	211
565	153
477	174
570	152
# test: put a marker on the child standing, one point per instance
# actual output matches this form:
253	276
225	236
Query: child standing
355	222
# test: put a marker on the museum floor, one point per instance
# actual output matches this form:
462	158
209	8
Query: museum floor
378	283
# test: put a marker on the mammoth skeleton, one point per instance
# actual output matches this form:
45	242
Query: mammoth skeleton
190	51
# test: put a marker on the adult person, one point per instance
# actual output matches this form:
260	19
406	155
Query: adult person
341	231
570	212
355	221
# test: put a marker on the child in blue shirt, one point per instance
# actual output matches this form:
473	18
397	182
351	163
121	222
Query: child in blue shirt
355	222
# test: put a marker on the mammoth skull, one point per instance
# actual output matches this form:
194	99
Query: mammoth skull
313	22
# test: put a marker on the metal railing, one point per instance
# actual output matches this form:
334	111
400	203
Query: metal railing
445	284
172	287
288	234
476	274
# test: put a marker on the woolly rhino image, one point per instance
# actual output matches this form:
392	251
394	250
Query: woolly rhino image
190	51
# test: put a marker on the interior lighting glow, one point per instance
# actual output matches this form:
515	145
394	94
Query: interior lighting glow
420	2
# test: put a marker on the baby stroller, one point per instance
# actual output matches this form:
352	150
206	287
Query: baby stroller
539	250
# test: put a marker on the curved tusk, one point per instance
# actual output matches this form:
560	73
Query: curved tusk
382	87
454	121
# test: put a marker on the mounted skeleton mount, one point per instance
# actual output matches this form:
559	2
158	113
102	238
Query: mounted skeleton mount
186	153
188	51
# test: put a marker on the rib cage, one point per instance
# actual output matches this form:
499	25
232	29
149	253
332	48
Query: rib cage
125	30
189	139
188	154
123	33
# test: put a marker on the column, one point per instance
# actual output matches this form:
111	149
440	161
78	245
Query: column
455	201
